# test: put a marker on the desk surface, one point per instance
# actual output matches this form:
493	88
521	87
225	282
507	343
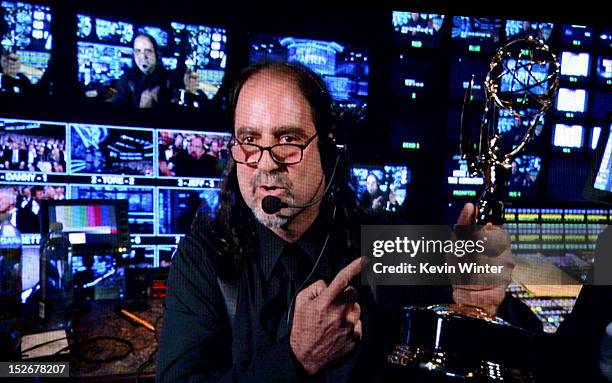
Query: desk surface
99	319
103	321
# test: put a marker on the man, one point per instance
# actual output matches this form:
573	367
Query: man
197	163
12	81
16	157
372	200
262	296
148	84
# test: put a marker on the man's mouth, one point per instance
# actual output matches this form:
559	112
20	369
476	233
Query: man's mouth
271	190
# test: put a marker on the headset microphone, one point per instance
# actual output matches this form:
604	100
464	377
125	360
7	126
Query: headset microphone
271	204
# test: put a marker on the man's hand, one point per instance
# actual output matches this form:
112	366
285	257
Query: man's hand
486	296
326	324
148	98
377	203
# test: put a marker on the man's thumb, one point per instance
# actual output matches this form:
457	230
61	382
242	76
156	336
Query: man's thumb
468	215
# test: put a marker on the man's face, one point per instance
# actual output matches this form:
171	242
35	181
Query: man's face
144	55
272	110
26	192
39	195
371	184
11	64
15	145
196	148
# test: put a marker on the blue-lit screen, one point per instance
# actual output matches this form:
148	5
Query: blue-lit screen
523	28
26	29
177	208
344	68
105	52
477	33
417	29
386	183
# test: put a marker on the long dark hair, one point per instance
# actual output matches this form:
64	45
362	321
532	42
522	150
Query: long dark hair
232	231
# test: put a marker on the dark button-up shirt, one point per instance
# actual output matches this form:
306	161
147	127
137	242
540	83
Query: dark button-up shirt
199	343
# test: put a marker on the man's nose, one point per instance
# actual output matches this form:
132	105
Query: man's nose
266	162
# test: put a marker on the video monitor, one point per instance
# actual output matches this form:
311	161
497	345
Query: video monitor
97	277
98	149
512	129
516	29
525	171
381	188
575	66
33	147
595	134
603	179
417	30
572	102
568	138
415	79
458	181
577	35
605	37
601	105
476	34
166	253
92	225
25	47
462	69
141	257
175	64
522	77
604	70
141	215
178	208
344	68
192	154
24	203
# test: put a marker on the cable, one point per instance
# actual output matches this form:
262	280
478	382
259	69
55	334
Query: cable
144	364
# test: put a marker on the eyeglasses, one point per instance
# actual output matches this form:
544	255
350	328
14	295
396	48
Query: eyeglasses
283	154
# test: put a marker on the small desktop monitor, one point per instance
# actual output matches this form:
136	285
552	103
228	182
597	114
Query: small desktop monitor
188	68
571	102
381	188
512	129
577	35
604	70
575	66
26	42
523	28
417	30
524	176
93	226
568	138
345	68
605	37
476	34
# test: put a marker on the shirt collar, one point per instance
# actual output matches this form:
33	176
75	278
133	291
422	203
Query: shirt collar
271	246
